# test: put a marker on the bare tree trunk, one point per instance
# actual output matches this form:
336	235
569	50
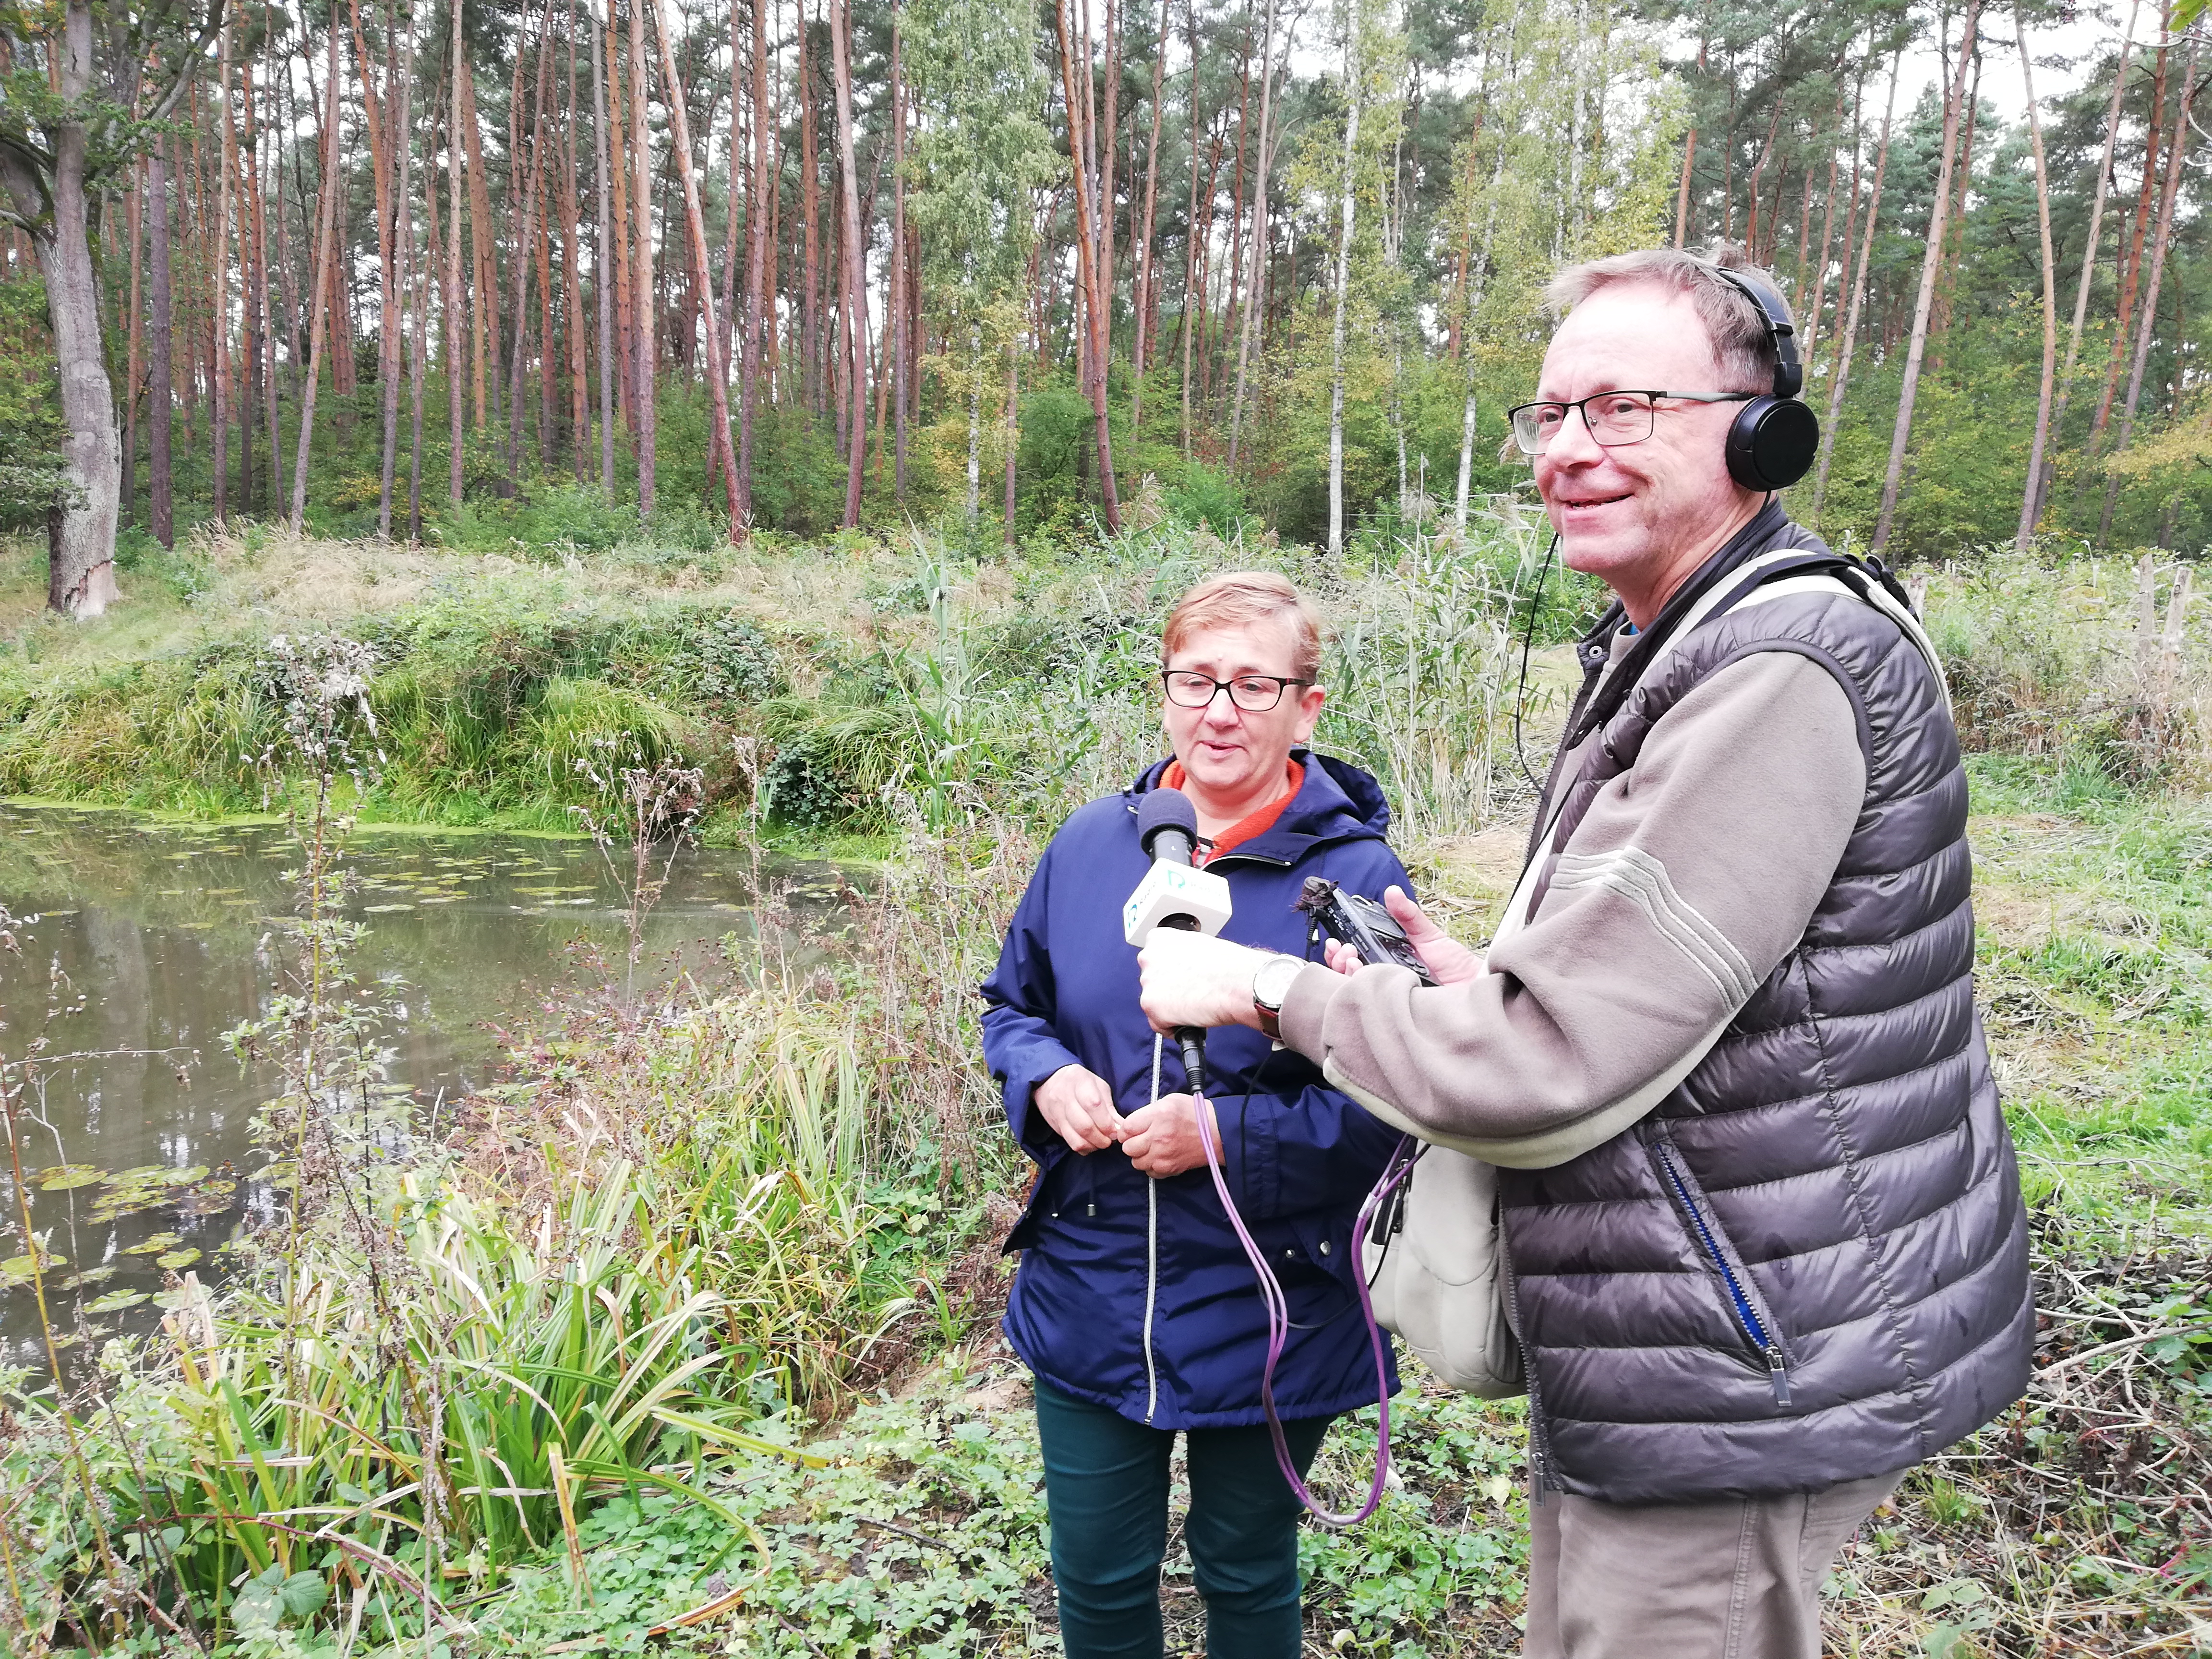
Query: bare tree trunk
526	188
2131	271
1353	89
1689	160
1840	381
1095	303
161	390
395	249
899	278
418	291
218	246
1254	302
759	302
809	203
453	302
2088	257
1811	314
2026	530
572	219
856	336
134	214
1930	265
1148	231
1195	236
642	295
975	429
717	395
1013	429
602	274
325	258
2161	241
80	525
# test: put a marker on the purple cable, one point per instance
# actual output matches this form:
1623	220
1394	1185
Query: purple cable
1278	1329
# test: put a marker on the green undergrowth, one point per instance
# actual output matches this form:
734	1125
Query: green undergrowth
679	1334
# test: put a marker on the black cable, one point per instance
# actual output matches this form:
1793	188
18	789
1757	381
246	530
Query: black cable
1528	640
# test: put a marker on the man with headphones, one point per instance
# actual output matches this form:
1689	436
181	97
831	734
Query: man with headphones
1761	1220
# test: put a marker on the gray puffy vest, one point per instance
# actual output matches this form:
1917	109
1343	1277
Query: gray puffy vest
1809	1263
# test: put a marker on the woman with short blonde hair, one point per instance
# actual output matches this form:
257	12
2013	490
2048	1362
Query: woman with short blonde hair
1135	1304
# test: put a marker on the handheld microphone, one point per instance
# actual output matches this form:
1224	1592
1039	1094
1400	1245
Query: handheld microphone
1173	894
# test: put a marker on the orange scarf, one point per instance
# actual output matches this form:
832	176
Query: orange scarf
1253	825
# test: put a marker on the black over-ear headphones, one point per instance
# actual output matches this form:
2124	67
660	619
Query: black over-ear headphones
1772	440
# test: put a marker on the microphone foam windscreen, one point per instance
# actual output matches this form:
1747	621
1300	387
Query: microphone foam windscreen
1165	809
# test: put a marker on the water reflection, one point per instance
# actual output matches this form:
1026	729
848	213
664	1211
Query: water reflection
141	943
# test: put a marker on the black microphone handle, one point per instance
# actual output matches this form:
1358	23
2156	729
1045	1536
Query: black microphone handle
1189	1039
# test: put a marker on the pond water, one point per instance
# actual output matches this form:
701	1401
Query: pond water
140	943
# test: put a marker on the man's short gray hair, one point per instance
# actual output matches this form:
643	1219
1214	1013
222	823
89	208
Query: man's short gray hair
1741	350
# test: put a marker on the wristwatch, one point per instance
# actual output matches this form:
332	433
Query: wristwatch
1270	985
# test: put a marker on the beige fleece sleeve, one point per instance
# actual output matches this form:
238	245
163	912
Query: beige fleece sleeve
1689	878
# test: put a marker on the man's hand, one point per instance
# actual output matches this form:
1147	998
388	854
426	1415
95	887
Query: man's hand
1161	1138
1449	962
1189	979
1078	1103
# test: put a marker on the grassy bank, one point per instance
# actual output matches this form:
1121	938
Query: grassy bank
681	1336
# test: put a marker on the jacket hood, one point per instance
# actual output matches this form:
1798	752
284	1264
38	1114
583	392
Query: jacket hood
1337	802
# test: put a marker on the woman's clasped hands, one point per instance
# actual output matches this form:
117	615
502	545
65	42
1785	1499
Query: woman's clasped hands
1161	1138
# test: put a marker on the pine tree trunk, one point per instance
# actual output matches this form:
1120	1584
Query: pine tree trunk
760	298
457	449
2161	241
2026	530
2089	258
1013	429
1093	348
855	276
1148	232
580	393
318	319
218	268
643	295
1916	350
134	216
1841	378
81	524
1353	89
397	203
162	391
810	203
2131	271
602	274
900	273
1255	300
717	395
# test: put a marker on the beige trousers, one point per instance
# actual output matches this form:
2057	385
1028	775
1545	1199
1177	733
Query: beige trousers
1736	1579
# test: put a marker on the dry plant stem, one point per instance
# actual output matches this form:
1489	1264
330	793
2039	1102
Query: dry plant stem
92	1499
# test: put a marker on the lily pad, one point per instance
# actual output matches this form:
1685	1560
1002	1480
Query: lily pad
19	1269
186	1176
138	1176
154	1246
87	1276
176	1259
115	1302
68	1177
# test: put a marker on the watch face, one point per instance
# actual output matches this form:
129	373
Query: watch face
1273	983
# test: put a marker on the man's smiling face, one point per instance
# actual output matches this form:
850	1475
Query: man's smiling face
1640	517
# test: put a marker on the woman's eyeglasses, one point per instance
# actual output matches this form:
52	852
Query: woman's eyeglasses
1256	694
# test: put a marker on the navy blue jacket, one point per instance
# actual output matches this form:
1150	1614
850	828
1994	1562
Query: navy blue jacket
1300	1157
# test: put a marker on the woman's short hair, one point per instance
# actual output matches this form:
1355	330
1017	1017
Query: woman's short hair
1240	598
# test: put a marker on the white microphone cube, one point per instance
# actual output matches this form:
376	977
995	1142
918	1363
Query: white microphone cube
1175	890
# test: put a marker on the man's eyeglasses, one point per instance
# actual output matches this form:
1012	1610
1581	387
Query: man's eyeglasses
1256	694
1614	419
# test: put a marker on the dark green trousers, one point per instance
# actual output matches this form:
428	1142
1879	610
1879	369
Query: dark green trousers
1106	1489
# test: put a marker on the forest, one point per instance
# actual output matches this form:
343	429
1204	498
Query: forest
408	271
561	562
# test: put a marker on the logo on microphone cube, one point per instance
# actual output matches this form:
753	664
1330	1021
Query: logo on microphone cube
1175	890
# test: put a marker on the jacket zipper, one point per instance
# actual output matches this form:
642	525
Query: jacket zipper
1540	1444
1778	1372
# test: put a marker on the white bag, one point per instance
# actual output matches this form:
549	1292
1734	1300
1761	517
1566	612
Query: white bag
1437	1274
